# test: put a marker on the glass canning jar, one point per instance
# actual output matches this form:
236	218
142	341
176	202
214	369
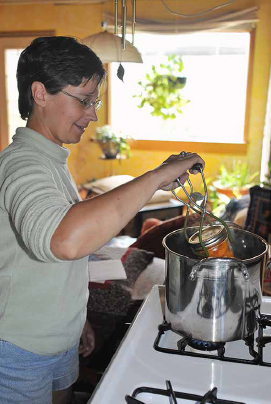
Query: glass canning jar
214	239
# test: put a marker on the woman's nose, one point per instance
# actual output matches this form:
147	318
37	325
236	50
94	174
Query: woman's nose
91	114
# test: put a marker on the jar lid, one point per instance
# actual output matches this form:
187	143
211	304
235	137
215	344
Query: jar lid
210	236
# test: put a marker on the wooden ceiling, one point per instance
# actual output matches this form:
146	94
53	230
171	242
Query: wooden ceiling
56	2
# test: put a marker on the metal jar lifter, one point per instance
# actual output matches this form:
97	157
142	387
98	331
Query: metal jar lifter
213	299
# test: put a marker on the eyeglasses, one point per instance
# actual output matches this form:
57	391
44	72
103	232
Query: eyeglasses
86	102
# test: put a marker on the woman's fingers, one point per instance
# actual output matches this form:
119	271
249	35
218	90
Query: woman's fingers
178	166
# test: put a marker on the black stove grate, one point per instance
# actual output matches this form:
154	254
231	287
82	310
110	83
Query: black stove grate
257	357
209	398
265	321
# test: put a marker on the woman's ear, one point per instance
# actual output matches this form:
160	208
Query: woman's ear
39	93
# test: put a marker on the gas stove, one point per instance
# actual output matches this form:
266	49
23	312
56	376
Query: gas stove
152	366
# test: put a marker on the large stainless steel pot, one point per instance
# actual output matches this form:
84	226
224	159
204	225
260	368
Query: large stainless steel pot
214	299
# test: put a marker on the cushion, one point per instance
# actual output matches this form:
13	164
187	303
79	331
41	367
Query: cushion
114	297
148	224
258	219
267	279
154	274
152	239
108	183
234	206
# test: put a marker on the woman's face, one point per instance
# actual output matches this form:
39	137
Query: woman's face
65	118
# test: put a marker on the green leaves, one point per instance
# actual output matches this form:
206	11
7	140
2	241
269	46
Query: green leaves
162	91
267	183
104	134
239	176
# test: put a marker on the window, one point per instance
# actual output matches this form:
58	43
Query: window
10	49
216	68
14	120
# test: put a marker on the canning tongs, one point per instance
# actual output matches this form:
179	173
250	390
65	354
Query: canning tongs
197	202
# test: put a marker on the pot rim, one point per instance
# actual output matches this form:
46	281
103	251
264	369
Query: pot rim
247	260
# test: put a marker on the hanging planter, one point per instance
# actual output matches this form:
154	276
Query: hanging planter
163	90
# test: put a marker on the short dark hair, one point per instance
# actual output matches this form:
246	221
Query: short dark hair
56	62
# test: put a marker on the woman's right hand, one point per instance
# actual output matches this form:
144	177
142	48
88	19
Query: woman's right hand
176	166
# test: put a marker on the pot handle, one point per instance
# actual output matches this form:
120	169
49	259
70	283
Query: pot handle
244	272
193	274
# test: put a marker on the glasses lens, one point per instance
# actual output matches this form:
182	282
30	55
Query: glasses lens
98	104
88	104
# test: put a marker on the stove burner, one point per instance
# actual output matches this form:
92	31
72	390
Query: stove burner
209	398
205	345
257	357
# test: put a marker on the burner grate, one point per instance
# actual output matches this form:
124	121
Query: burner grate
257	357
209	398
264	321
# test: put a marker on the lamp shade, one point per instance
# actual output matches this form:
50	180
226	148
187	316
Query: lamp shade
109	48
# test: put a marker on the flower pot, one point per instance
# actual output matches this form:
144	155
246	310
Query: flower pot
109	149
231	192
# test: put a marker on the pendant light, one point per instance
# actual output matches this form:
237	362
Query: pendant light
109	48
112	48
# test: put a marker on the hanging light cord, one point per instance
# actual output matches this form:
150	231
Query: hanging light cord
197	14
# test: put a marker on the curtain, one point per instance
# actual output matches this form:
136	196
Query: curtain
244	20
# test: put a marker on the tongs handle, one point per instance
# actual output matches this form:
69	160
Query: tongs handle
197	167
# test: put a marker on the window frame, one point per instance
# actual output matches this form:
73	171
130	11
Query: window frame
198	147
11	40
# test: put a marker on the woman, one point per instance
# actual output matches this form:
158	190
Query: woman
47	232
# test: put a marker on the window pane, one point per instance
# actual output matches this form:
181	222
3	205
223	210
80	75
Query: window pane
14	119
216	68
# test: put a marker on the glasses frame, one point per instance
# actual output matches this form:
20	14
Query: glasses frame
85	104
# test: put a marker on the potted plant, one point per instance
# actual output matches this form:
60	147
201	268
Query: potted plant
267	182
162	89
112	145
236	181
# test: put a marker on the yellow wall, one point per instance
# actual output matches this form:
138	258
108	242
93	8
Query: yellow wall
83	20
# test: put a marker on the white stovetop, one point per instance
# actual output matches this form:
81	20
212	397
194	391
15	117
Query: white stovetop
138	364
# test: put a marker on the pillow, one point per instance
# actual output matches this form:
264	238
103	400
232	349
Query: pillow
114	297
151	240
148	224
258	219
106	184
154	274
234	206
134	262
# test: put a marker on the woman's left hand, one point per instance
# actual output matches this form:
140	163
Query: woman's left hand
87	343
